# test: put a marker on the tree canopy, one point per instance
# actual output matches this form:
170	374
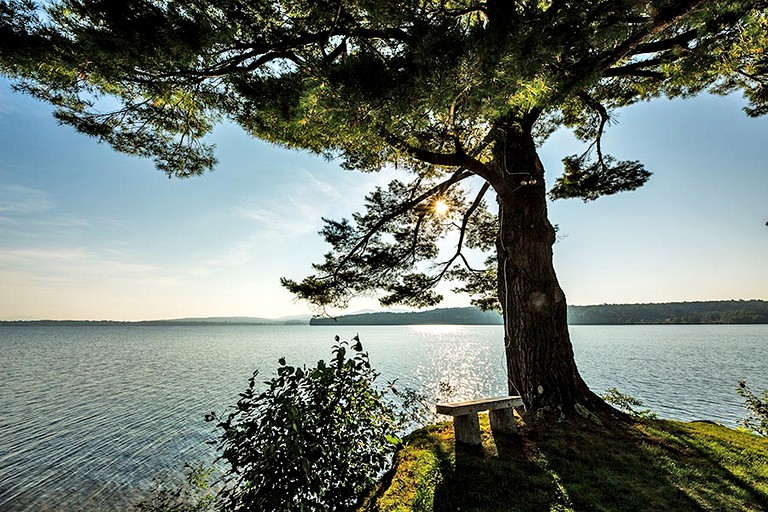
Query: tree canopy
420	85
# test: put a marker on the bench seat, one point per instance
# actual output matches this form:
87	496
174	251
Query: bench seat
466	424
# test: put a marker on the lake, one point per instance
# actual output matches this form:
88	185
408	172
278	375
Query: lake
91	415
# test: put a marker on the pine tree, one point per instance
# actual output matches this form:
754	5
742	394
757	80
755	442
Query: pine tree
459	94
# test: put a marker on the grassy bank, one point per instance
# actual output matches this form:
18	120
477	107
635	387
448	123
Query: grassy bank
650	465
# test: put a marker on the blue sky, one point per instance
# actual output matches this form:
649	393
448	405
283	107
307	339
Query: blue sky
86	233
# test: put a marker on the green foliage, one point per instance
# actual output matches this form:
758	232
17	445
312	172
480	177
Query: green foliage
396	241
627	403
589	181
314	440
196	495
757	421
708	312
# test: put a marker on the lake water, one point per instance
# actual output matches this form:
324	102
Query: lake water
90	415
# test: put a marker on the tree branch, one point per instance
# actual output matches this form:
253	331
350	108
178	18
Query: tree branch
286	49
239	68
457	159
479	8
659	22
679	40
637	68
640	73
430	157
452	121
459	254
459	175
604	118
463	229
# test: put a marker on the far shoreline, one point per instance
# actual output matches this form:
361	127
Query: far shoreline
724	312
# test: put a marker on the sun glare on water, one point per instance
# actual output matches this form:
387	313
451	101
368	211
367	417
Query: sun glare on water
436	328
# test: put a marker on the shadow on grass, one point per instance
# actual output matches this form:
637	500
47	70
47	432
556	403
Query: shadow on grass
648	466
502	478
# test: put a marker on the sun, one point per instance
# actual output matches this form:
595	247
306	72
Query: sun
441	208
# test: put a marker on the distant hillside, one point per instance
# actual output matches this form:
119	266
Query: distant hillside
461	316
234	320
217	320
213	320
712	312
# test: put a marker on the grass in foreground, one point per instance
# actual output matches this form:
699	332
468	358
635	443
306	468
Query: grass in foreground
649	465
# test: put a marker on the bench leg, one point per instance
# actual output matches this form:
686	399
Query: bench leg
466	429
503	421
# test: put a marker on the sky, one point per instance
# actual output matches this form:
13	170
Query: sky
88	233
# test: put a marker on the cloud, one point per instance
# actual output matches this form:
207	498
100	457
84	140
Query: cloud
289	221
290	215
33	211
318	186
20	200
284	217
74	265
63	221
240	253
72	282
37	254
293	214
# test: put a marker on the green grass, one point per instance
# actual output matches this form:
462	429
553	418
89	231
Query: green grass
649	465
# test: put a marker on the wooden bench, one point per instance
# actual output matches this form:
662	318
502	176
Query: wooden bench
466	424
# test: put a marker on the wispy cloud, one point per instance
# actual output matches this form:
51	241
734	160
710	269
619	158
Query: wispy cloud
293	214
74	265
319	187
74	282
29	255
63	221
288	220
18	199
33	210
285	217
239	253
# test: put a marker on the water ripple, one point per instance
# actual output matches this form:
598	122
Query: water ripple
90	416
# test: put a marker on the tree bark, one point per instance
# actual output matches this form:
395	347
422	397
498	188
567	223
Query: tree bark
540	361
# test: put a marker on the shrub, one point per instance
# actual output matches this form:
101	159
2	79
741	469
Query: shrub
314	439
757	421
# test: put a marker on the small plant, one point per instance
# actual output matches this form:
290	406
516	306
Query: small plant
315	439
196	495
627	403
757	421
413	409
446	390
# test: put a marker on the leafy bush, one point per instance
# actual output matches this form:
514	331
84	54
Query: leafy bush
315	439
757	421
627	403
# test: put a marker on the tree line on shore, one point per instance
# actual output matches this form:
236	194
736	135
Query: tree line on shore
709	312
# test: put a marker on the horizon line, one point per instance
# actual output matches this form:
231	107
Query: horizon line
288	318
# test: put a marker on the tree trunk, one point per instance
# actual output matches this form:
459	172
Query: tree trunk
540	362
